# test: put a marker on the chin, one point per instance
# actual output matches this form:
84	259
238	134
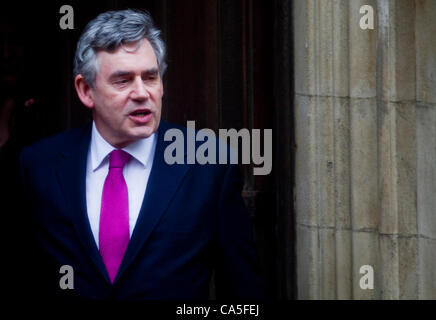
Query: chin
144	132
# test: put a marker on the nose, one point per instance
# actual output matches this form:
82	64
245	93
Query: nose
139	90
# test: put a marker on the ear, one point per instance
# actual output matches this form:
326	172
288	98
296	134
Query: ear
84	91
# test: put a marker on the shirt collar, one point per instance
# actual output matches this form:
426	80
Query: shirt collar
140	150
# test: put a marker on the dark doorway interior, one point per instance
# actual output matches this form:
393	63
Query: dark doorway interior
230	66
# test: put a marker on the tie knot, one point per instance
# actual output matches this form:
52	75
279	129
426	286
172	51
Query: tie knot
118	158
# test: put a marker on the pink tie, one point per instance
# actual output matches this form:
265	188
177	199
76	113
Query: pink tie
114	215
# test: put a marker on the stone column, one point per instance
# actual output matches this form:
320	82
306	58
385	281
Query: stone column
365	121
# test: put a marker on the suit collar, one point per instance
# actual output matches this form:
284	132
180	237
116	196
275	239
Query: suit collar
141	150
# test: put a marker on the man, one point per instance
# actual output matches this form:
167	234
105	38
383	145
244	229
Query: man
104	203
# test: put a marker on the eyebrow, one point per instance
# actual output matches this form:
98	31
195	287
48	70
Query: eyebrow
120	73
151	72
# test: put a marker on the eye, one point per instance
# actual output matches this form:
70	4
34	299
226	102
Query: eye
122	82
150	77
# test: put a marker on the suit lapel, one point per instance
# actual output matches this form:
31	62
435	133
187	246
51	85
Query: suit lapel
162	184
71	173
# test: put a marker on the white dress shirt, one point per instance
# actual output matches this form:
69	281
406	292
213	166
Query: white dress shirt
136	173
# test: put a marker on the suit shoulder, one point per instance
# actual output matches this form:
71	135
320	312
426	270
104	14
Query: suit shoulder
56	143
164	126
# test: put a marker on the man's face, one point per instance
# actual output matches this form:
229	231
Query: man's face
127	94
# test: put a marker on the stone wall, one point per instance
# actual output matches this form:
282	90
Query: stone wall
365	130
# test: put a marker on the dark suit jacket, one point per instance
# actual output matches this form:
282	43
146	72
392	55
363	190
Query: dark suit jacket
192	221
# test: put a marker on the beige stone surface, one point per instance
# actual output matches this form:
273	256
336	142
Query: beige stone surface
408	267
425	50
426	173
344	264
325	149
365	252
388	269
406	172
397	168
365	162
324	48
396	33
340	48
328	266
306	162
304	17
308	262
388	170
342	170
427	268
363	49
398	267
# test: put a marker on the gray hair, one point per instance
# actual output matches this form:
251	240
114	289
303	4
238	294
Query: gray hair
109	31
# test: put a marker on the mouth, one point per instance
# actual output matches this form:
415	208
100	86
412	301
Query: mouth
140	116
140	112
